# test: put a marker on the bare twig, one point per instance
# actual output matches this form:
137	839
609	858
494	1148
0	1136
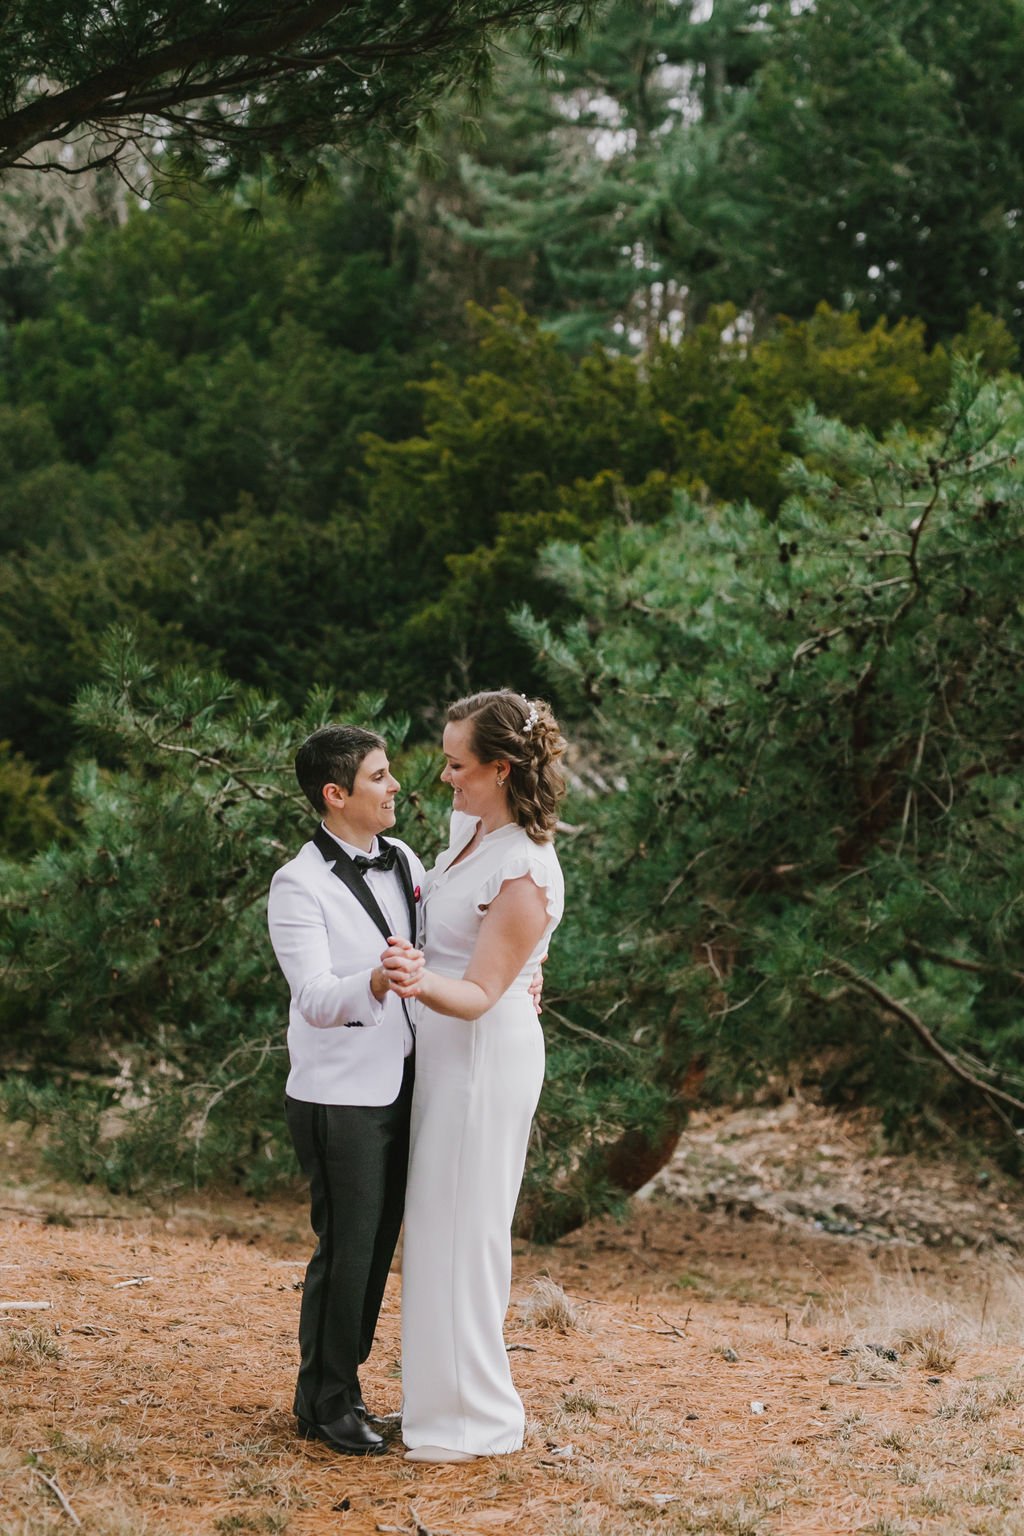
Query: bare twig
670	1328
720	1013
802	1342
712	962
58	1493
580	1029
198	1131
677	882
420	1528
901	1011
817	641
32	1210
909	800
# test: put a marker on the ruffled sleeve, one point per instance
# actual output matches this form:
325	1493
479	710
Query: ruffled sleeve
542	868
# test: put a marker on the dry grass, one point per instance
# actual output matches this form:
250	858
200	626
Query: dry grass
901	1309
161	1409
25	1346
547	1306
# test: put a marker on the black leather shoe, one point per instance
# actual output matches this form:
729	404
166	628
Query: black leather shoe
358	1406
350	1435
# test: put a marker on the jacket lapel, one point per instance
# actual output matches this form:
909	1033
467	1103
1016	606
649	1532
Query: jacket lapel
350	876
405	876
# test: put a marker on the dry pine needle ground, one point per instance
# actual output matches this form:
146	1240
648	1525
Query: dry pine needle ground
682	1373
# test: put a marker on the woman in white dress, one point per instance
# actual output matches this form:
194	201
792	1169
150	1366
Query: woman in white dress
489	906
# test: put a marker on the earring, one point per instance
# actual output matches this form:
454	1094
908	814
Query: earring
501	782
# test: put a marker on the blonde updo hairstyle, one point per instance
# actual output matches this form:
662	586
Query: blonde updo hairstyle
505	726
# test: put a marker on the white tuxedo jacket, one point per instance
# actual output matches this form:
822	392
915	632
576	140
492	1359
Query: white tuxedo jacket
328	935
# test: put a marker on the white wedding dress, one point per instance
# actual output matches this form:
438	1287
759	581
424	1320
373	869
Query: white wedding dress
476	1088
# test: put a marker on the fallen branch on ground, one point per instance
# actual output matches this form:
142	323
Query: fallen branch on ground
59	1494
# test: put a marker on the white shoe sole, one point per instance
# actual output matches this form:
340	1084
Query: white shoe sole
437	1453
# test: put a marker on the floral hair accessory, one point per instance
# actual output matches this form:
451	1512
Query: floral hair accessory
531	720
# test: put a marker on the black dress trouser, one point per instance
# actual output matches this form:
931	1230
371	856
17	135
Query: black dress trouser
355	1158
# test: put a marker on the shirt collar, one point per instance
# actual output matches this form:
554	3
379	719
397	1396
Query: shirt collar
350	849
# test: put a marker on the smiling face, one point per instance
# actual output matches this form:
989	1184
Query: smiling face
358	814
475	786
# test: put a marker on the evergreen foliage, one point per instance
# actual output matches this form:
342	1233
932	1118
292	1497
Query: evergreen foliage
143	997
180	429
815	845
533	445
207	432
865	153
882	162
227	83
598	183
29	821
797	831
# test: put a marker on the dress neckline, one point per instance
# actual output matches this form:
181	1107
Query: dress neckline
506	826
461	856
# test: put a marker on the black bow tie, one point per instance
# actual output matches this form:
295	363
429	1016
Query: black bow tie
384	860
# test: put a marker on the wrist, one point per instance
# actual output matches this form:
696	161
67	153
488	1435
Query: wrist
423	986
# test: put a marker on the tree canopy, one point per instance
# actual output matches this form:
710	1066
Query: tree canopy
227	83
265	449
815	846
863	152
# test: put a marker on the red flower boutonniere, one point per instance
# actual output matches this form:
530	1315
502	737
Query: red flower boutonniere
416	894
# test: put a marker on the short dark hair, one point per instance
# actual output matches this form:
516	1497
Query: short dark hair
332	755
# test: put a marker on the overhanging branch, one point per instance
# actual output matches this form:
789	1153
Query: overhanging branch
37	121
996	1096
271	44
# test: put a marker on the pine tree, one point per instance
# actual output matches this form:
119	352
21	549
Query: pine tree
599	177
804	837
883	162
865	153
144	1012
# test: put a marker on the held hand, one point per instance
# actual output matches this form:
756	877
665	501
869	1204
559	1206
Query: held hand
402	964
537	984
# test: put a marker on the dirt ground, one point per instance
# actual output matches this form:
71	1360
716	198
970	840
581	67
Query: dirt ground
794	1332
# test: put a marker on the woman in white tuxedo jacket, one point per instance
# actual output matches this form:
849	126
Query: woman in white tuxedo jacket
331	911
489	908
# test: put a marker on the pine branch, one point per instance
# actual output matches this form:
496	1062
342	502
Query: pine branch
588	1034
268	49
892	1005
977	967
48	115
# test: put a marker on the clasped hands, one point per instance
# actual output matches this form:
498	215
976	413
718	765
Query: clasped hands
403	966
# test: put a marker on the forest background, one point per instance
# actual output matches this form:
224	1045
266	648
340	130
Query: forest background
661	359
